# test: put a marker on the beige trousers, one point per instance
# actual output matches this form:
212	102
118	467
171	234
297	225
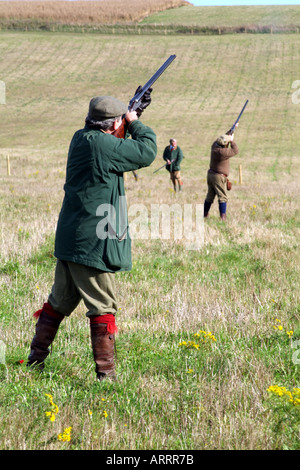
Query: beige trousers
75	282
217	185
176	176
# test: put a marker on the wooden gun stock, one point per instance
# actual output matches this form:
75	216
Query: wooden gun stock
122	129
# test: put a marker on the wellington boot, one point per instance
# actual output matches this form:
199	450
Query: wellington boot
103	345
207	206
45	332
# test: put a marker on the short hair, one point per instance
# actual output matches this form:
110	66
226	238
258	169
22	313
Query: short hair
101	125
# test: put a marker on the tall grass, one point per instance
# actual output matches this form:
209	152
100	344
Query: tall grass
84	12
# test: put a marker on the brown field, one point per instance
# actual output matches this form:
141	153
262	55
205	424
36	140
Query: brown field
85	12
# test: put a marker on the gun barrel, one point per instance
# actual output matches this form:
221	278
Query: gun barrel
134	101
239	116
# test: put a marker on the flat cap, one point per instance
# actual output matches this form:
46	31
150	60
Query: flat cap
106	107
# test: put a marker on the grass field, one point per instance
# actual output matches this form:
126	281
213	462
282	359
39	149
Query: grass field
241	285
230	16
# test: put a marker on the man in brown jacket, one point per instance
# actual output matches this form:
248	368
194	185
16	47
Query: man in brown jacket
222	149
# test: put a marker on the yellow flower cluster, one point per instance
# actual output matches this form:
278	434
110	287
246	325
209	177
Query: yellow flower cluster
203	336
65	436
53	412
293	397
189	344
278	326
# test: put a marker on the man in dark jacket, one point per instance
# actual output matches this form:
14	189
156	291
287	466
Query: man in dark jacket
173	156
222	149
92	239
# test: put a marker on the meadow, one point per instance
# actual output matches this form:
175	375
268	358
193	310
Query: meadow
203	333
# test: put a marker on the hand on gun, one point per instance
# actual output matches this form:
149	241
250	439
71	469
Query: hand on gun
146	100
131	116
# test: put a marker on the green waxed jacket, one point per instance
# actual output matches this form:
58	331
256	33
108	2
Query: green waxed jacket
175	155
92	227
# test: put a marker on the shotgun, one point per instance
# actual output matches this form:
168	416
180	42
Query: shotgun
163	166
135	102
232	129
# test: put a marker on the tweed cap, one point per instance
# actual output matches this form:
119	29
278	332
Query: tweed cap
106	107
223	139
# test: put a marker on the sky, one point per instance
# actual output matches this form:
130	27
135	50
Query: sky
243	2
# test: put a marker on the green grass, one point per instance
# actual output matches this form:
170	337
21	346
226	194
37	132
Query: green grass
229	16
161	386
236	286
183	20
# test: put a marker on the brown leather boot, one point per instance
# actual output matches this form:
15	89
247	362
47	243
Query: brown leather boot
45	332
103	345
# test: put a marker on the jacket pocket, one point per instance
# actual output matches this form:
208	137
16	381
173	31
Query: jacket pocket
118	253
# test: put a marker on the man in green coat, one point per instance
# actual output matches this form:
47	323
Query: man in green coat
92	239
173	156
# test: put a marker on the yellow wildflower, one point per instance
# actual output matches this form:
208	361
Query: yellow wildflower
65	436
202	335
283	392
51	414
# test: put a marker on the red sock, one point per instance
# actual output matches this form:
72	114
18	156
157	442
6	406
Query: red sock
47	308
109	319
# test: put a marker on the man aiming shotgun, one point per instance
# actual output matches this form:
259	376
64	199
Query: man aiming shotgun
90	246
217	176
